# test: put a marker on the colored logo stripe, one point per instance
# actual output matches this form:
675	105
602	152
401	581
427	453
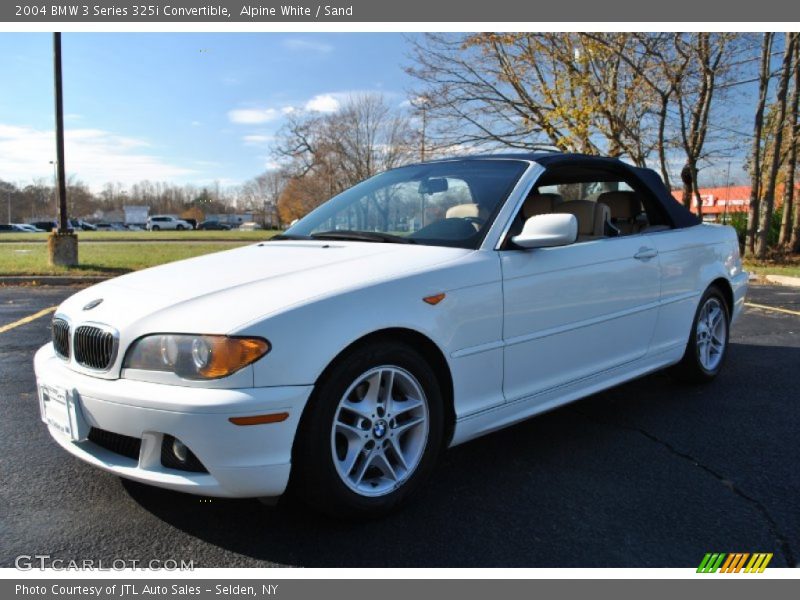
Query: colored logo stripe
734	562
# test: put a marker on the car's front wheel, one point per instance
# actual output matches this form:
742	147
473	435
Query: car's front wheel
371	434
708	342
179	228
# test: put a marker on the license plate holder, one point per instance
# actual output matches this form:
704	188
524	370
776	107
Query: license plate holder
61	410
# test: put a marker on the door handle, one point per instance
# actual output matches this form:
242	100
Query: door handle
646	254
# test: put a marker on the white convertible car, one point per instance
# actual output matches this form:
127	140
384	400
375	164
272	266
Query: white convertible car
422	308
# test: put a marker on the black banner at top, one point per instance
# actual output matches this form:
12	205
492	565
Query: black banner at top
149	11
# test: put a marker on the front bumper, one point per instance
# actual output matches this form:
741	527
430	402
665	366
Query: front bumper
242	461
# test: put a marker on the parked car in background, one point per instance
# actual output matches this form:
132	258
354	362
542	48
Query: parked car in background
342	358
110	227
7	228
45	225
81	225
213	226
27	228
250	226
167	222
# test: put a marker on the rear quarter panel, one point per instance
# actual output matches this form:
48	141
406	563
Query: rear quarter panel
690	260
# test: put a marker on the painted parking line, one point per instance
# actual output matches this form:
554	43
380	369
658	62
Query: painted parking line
773	308
28	319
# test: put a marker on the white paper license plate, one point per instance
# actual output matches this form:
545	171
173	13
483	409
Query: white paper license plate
61	410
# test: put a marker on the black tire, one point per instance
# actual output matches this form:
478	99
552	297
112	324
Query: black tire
691	368
180	228
315	478
155	228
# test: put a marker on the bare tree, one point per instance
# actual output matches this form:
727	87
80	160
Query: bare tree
768	199
787	233
575	92
709	57
758	133
362	138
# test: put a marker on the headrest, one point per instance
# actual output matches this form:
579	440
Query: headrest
539	204
623	205
461	211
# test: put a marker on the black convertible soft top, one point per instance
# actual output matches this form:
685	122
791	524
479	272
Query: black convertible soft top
644	180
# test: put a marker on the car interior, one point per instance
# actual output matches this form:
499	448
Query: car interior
605	203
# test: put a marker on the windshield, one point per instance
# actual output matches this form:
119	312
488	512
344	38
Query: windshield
449	203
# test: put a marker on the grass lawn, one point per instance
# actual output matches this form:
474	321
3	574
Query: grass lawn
148	236
104	258
789	266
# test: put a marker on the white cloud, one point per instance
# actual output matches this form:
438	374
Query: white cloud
271	165
305	45
325	103
253	115
94	156
256	139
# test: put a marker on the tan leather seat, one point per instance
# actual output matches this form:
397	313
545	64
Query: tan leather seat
462	211
592	217
624	207
539	204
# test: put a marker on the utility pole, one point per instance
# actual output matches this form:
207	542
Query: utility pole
8	198
63	223
62	245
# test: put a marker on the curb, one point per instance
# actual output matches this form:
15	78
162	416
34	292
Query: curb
783	280
50	280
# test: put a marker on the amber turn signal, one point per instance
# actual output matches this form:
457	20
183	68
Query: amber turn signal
260	419
434	300
229	354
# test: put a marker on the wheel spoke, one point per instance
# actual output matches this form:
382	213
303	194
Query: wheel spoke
363	468
406	425
350	431
398	452
403	406
360	409
353	452
385	397
382	463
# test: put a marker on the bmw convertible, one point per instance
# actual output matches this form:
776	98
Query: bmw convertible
422	308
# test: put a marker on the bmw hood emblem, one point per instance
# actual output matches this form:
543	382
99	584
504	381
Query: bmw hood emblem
93	304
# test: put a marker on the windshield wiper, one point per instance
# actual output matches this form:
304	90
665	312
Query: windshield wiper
361	236
284	236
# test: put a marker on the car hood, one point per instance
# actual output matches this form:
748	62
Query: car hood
221	292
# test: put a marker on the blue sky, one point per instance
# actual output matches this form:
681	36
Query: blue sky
185	107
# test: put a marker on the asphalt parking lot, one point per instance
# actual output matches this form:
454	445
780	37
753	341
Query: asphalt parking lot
650	474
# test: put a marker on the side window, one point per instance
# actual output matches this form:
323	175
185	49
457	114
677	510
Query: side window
604	204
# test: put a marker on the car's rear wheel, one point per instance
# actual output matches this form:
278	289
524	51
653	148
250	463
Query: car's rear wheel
155	228
371	433
708	342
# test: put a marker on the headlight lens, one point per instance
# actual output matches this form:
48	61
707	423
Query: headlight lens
195	356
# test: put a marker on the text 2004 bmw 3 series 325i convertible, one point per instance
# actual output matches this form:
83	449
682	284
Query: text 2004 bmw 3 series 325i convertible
419	309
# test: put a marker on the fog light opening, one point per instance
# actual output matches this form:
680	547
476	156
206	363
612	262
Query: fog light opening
180	450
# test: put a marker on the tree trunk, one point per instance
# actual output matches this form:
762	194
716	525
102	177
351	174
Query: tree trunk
686	180
791	165
768	203
661	143
758	127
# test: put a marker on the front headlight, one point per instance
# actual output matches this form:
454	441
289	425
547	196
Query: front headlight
194	356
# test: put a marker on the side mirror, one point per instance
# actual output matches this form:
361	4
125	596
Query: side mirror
544	231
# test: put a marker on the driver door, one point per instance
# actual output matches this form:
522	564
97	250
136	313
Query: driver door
575	311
